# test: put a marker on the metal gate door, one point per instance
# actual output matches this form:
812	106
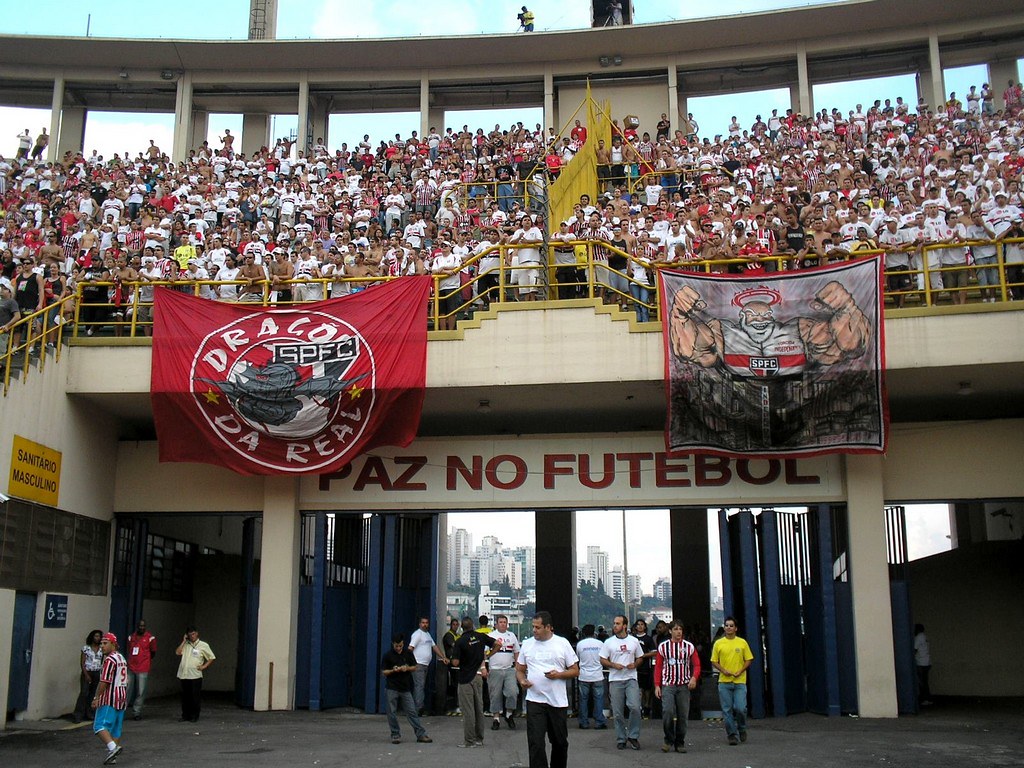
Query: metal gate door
21	650
902	621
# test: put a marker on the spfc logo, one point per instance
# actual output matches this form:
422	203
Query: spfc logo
288	389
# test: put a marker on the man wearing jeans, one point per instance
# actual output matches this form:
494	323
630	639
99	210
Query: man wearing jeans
423	647
591	679
676	672
621	655
468	658
731	656
141	650
397	666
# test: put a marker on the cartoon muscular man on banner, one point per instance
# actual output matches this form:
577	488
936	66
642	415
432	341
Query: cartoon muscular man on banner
761	371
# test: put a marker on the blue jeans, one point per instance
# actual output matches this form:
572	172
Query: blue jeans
405	699
625	693
733	698
641	295
675	711
596	689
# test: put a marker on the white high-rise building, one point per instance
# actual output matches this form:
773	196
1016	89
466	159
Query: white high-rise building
597	559
460	545
663	590
527	556
615	579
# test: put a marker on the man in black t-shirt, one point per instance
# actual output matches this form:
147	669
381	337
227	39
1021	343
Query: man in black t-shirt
397	666
468	659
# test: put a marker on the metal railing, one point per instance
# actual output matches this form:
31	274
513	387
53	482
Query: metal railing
494	276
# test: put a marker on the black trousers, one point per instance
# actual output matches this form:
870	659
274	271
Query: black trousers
191	698
544	720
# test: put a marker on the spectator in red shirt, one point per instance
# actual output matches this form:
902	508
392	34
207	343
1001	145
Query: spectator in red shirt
141	650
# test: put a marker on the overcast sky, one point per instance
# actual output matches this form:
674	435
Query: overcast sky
329	19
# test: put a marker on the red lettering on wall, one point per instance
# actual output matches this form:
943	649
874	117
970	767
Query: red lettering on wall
633	461
793	477
711	470
341	474
609	471
770	476
474	477
552	468
664	468
373	473
414	464
492	468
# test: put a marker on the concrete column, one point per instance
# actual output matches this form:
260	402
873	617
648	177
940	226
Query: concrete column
56	106
436	118
262	19
72	131
556	566
1000	72
182	142
321	118
279	595
673	100
424	105
302	140
869	573
255	133
937	94
691	581
200	127
805	101
550	118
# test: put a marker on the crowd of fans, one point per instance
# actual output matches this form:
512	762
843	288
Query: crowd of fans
791	191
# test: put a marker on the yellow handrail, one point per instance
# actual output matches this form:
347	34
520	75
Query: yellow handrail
30	331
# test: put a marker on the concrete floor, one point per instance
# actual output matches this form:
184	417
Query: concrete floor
955	733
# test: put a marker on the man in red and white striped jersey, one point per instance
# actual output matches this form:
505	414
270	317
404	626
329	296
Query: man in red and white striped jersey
111	698
676	672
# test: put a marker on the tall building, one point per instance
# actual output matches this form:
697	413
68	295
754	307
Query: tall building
615	580
527	557
460	545
662	590
597	559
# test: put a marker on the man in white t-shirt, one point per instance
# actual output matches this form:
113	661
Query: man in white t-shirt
591	679
501	674
422	645
621	655
545	662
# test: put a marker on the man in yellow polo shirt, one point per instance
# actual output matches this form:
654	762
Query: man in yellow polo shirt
731	656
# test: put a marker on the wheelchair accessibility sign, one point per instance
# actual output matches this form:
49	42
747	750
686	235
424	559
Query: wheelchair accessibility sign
56	615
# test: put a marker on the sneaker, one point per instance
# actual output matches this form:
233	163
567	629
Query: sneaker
743	736
666	747
469	744
396	739
511	722
136	717
633	744
585	726
424	740
733	741
496	725
601	727
680	748
112	755
620	745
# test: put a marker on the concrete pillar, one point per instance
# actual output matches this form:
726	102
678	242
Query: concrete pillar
556	566
72	131
255	133
691	580
673	100
56	106
1000	72
436	118
182	142
804	100
279	595
320	118
869	581
262	19
937	93
424	105
550	118
200	127
303	140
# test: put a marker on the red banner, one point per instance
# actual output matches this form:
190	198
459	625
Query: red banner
296	390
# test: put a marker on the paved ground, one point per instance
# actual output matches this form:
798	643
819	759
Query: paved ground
960	734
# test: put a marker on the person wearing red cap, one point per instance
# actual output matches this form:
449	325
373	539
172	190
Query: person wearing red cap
111	698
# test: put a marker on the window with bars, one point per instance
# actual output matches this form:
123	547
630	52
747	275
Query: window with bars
46	549
170	567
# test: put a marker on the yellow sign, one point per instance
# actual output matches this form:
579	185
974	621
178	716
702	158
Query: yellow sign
35	472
